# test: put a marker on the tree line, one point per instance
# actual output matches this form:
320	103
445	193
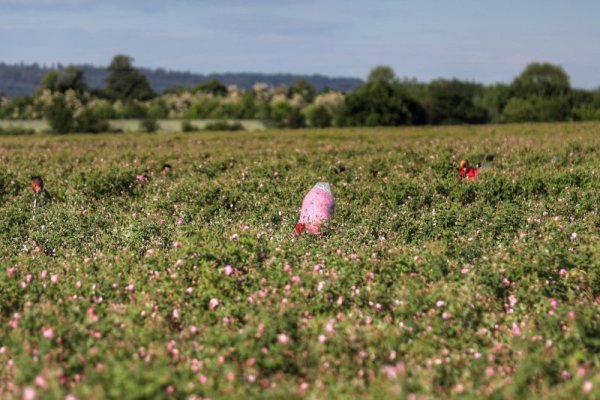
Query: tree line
542	92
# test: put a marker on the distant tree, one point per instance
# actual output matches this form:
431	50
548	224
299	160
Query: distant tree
382	74
493	99
381	103
90	122
125	82
69	78
318	116
452	103
304	89
537	109
213	87
59	116
541	80
542	92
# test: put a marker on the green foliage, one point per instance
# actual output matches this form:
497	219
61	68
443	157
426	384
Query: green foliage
89	121
212	86
537	109
59	116
303	88
382	74
149	125
541	80
223	126
134	110
452	102
422	285
318	116
187	126
382	104
125	82
13	131
70	78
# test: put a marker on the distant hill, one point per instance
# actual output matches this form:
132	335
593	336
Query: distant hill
18	80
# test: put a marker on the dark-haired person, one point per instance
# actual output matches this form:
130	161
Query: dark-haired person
166	169
41	195
488	163
466	171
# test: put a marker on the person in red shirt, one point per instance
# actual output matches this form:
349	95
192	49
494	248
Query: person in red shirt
466	171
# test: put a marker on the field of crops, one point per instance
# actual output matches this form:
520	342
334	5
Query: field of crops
192	285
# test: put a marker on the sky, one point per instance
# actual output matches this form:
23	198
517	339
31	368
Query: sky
485	41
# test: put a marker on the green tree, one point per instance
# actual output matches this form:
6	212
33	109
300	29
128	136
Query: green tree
544	93
541	80
69	78
452	102
381	104
317	116
382	74
304	89
59	116
90	122
213	87
125	82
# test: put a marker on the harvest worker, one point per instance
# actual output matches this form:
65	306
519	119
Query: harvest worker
466	171
489	162
41	195
166	169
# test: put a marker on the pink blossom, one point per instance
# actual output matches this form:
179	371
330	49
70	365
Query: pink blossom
177	244
464	271
390	371
562	272
78	284
587	387
296	279
130	288
48	333
553	303
516	330
228	270
175	314
140	177
234	237
10	271
189	290
322	339
287	267
193	329
230	376
180	221
179	262
53	278
440	303
283	338
202	379
505	282
40	381
29	393
213	303
317	268
303	387
133	215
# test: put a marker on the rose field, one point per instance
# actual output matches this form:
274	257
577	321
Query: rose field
132	284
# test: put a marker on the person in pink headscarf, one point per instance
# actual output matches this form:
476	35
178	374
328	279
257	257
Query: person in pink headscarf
317	208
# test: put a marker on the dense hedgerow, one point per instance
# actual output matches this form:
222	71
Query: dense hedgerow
132	284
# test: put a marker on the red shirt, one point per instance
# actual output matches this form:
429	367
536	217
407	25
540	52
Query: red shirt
470	173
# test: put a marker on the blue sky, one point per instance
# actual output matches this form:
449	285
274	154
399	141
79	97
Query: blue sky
484	41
